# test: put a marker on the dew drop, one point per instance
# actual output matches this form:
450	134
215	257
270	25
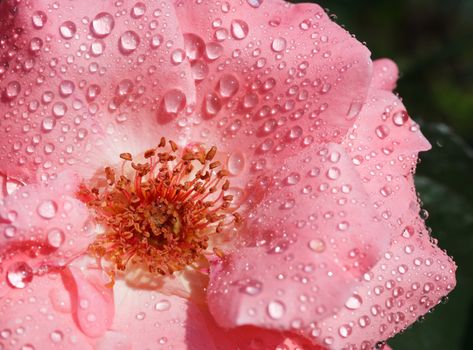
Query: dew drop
382	131
19	275
239	29
250	287
128	42
66	88
138	10
212	105
276	309
254	3
317	245
55	237
353	302
236	163
200	69
344	331
67	29
228	85
400	118
47	209
178	56
213	50
194	46
56	336
12	90
102	25
173	101
278	44
39	19
156	41
162	305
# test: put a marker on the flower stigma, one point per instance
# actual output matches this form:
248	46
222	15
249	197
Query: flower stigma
164	212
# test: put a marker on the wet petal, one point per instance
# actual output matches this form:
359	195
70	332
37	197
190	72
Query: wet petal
39	316
147	318
74	74
385	74
271	76
307	244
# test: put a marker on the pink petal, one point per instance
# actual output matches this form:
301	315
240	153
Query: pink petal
44	224
73	73
93	303
385	74
148	319
280	76
38	316
307	245
411	279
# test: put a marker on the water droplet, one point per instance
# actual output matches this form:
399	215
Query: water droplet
353	302
19	274
292	179
382	131
200	69
12	90
400	118
294	133
140	316
39	19
178	56
156	41
194	46
276	309
212	104
59	109
239	29
228	85
138	10
128	42
67	29
66	88
344	331
35	45
278	44
102	25
236	163
250	287
162	305
173	101
408	232
55	237
254	3
354	110
47	209
56	336
317	245
333	173
213	50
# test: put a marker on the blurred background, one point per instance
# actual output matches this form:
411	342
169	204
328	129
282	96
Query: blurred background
432	42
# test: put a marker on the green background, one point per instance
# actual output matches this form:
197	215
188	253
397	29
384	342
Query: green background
432	42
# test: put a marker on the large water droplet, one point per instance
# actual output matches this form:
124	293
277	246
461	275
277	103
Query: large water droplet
212	104
278	44
59	109
39	19
239	29
213	50
102	25
66	88
128	42
67	29
19	274
194	46
236	163
228	85
12	90
276	309
47	209
200	69
173	101
400	118
138	10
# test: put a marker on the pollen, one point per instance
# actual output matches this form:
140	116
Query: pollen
163	211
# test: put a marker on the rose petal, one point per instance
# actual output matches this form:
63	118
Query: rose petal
307	245
77	72
38	316
149	319
279	76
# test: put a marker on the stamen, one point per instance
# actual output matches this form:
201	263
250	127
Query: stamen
164	214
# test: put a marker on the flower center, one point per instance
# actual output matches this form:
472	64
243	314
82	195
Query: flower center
164	211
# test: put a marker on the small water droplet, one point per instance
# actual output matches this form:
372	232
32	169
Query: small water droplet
278	44
317	245
39	19
173	101
236	163
213	50
254	3
56	336
128	42
276	309
212	104
19	274
67	29
55	237
138	10
47	209
239	29
102	25
178	56
228	85
382	131
162	305
353	302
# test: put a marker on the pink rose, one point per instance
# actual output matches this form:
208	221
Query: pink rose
279	212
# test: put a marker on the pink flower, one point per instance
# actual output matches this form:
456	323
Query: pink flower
314	242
